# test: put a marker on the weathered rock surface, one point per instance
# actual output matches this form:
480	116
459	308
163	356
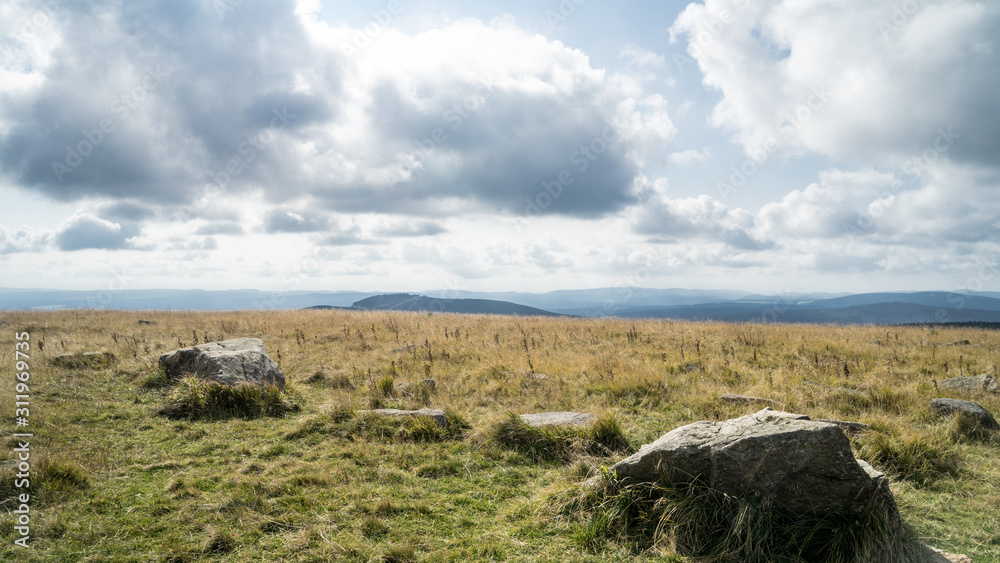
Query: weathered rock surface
935	555
972	410
436	415
229	362
804	466
845	425
745	400
971	384
559	419
84	360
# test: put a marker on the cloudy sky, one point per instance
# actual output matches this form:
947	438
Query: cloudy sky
784	145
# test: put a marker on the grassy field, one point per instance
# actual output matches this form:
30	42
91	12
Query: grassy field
116	481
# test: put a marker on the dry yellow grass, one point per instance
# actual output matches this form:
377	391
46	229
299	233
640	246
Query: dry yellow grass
285	489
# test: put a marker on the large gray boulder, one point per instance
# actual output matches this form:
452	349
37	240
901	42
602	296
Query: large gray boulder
801	465
229	362
973	411
971	384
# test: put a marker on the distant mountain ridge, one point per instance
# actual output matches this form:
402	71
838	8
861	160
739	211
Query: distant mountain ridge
625	302
410	302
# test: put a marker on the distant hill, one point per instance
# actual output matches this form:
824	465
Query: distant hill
409	302
934	307
874	313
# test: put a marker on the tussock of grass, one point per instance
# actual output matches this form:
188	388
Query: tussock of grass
399	554
158	379
194	398
85	360
559	443
219	543
695	521
644	394
346	424
919	457
55	474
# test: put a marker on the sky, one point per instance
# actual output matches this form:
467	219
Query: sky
405	145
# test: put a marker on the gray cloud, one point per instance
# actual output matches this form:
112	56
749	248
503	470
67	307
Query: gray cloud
221	228
88	231
289	221
667	221
411	229
162	103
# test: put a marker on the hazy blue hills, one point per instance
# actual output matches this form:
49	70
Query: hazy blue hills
874	313
626	302
408	302
173	299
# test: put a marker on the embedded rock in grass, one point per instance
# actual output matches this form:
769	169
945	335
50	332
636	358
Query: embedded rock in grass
845	425
229	362
935	555
970	384
581	419
436	415
974	411
745	400
803	466
85	360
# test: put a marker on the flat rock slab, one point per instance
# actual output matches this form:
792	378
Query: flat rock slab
965	408
436	415
85	360
846	425
938	556
229	362
971	384
745	400
580	419
802	465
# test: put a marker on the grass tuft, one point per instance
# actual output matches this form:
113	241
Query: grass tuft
919	457
556	443
698	522
193	398
220	543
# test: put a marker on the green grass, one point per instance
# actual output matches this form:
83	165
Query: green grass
303	476
192	398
